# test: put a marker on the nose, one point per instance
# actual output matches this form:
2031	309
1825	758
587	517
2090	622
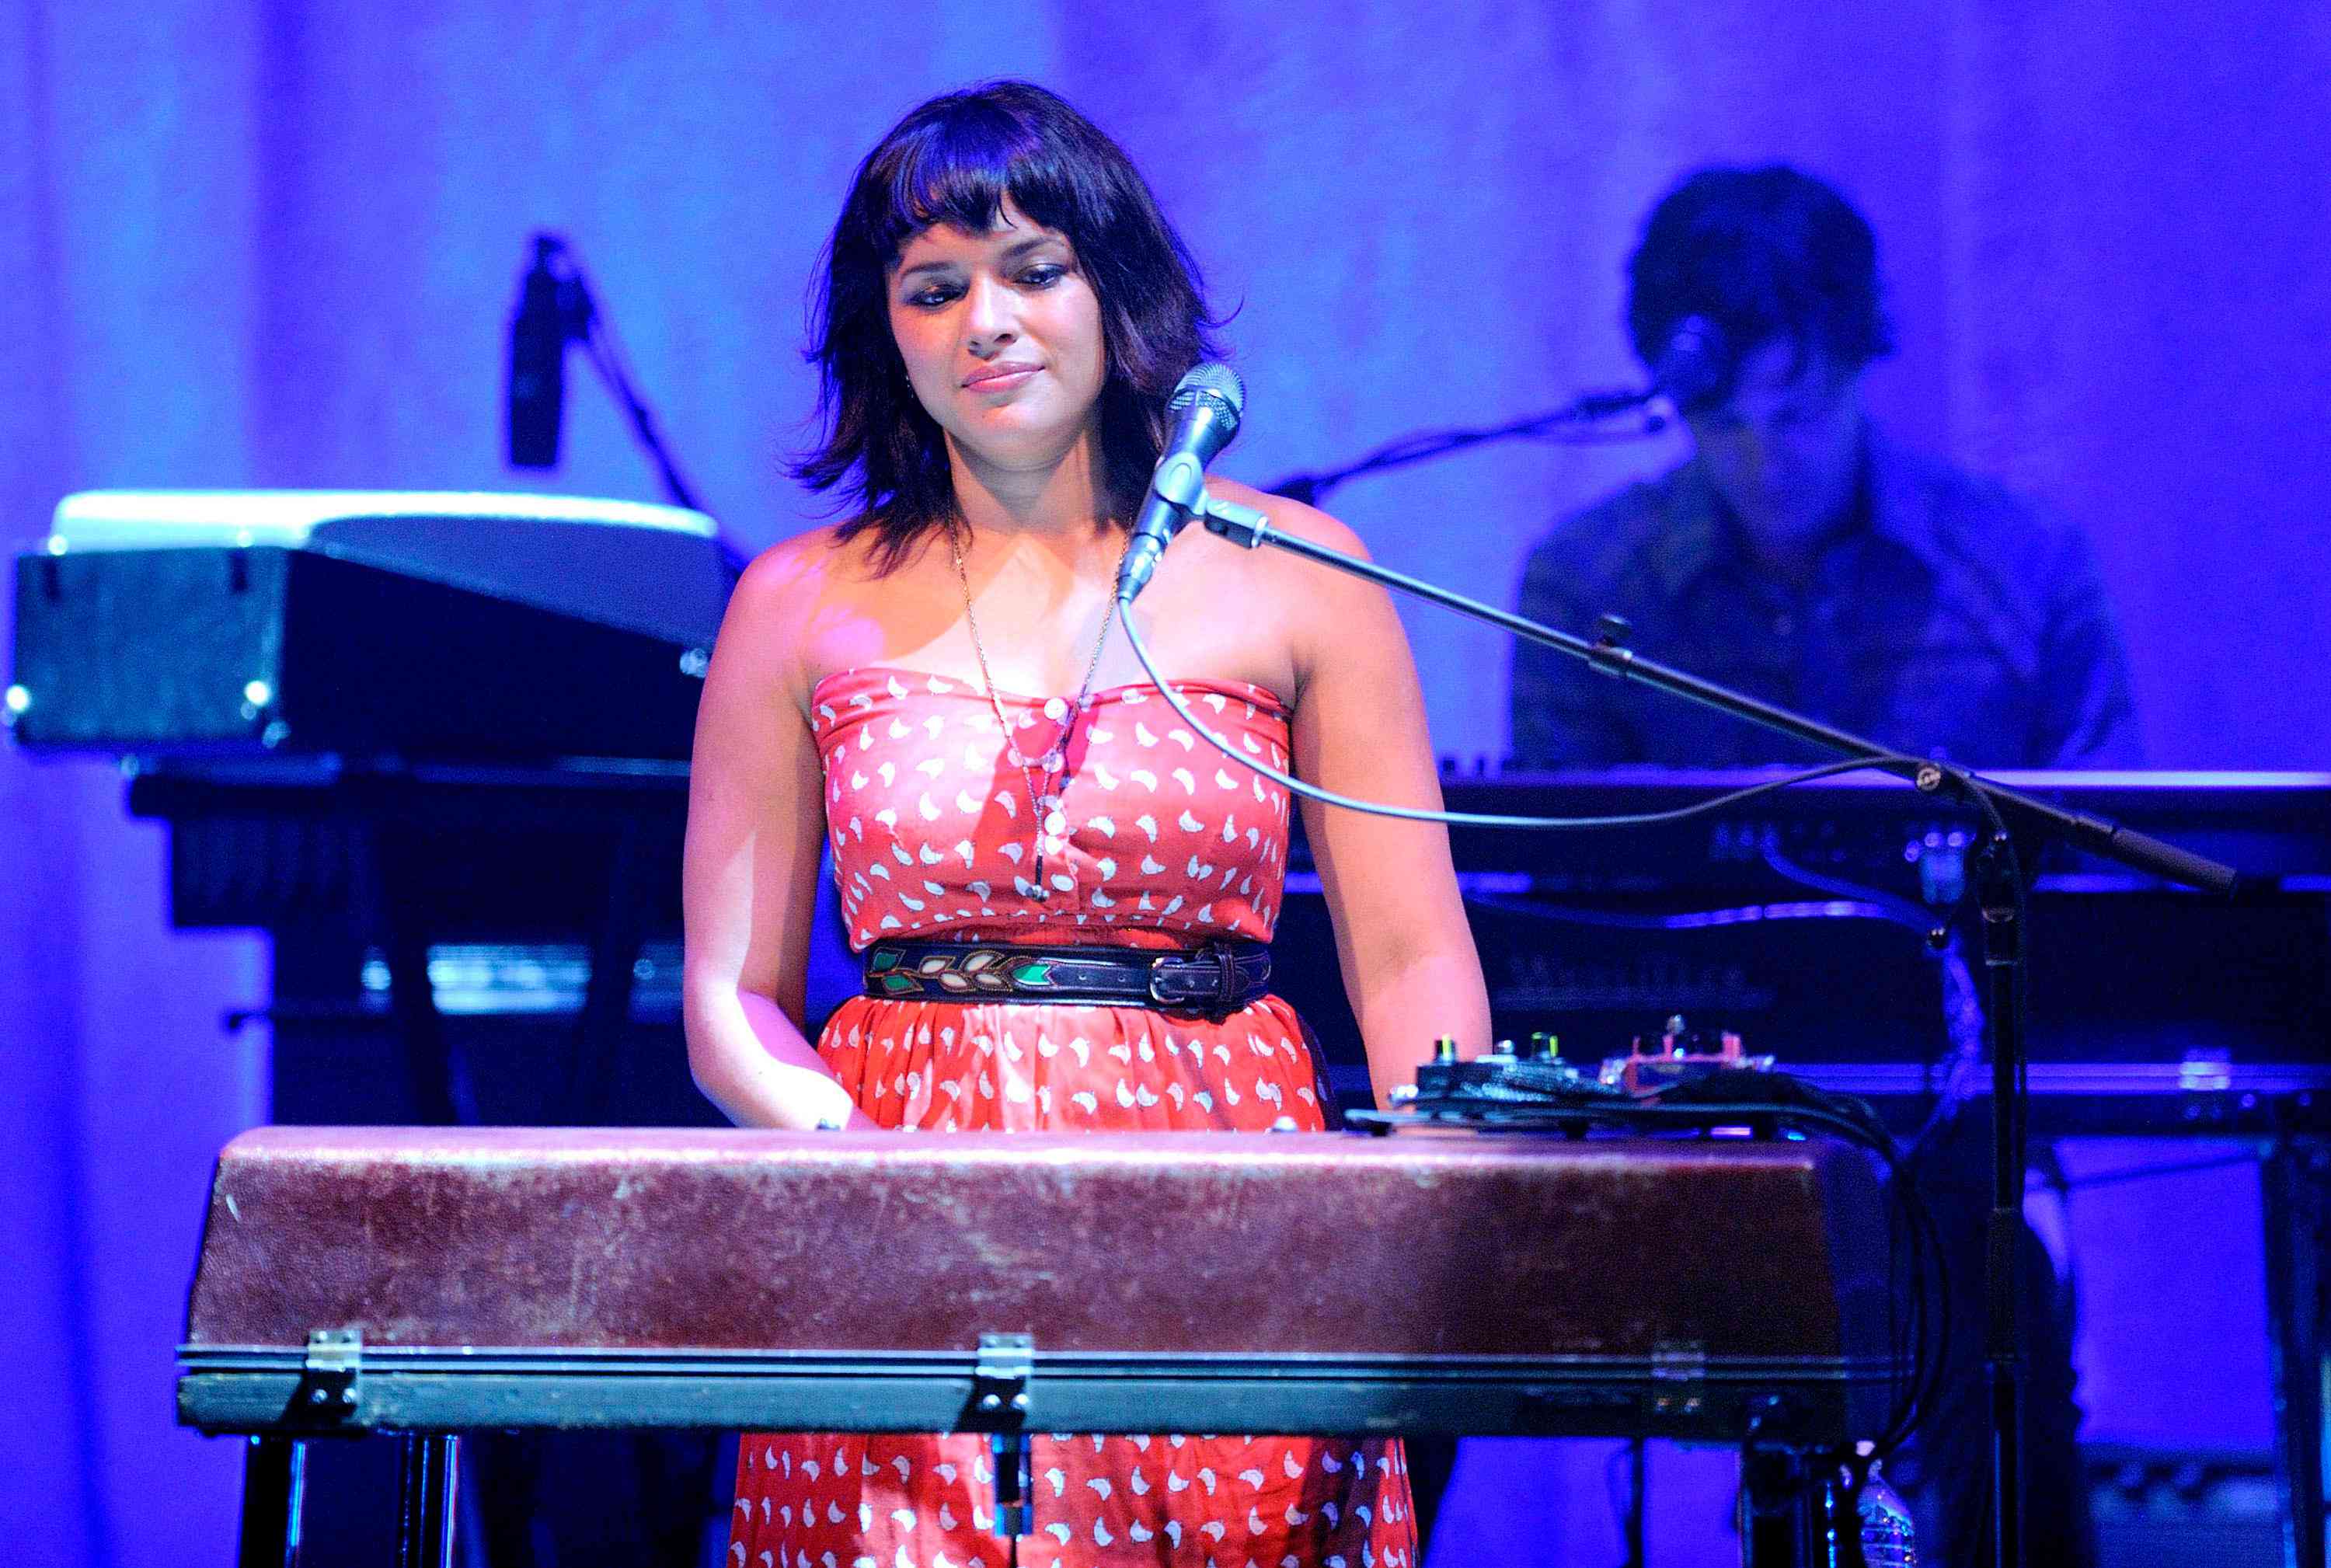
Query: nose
990	321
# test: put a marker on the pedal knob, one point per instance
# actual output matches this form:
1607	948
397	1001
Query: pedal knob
1444	1049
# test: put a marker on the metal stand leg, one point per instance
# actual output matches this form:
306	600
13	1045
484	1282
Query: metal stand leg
1014	1516
1637	1493
2296	1186
426	1511
442	1094
272	1471
596	1097
1785	1512
2005	1335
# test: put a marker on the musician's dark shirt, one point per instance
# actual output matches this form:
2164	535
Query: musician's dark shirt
1946	617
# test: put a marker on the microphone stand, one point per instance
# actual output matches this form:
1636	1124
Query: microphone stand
2001	893
585	330
1425	445
585	325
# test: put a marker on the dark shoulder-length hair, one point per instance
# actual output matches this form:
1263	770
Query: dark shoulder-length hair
1763	253
954	160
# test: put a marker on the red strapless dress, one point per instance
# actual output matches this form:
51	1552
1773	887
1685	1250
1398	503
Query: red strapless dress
1168	844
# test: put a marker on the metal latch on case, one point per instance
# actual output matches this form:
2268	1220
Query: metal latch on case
329	1374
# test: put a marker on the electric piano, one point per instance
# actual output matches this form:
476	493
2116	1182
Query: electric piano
433	744
426	1282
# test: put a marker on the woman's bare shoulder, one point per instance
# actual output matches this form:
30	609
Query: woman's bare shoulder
801	580
833	598
1268	614
785	596
1296	586
1293	517
807	564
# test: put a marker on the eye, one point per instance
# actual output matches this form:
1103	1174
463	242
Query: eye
1043	274
931	296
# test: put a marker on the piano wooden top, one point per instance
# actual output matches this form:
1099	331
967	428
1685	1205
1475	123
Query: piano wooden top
1414	1245
1213	1275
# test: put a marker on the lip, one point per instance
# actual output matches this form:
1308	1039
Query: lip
1001	376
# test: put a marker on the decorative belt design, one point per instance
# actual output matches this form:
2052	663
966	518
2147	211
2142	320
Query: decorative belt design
1217	979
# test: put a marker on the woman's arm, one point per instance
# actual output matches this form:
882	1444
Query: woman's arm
755	819
1402	939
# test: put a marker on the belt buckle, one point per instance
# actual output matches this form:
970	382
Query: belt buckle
1209	980
1158	973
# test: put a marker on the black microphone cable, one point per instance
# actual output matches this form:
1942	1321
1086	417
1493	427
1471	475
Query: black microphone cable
1294	785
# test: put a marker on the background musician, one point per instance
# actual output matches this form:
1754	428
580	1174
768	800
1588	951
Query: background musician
1800	555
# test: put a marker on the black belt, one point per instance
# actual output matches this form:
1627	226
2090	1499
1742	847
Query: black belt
1217	979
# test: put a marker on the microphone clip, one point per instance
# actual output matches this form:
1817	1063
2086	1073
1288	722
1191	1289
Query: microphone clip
555	280
1241	524
1180	481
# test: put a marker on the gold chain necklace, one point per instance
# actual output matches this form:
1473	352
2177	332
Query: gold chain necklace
1051	822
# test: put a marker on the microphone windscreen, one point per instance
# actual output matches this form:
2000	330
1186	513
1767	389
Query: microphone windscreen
537	364
1216	382
1696	366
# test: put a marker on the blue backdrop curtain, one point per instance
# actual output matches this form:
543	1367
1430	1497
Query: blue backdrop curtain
266	242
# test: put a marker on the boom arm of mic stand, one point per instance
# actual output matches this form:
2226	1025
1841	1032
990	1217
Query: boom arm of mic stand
2005	939
582	325
734	557
1425	445
2097	835
585	331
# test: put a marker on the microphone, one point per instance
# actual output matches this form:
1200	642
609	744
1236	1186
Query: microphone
1208	401
1696	365
540	327
1693	369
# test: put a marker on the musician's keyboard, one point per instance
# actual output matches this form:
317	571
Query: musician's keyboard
418	1279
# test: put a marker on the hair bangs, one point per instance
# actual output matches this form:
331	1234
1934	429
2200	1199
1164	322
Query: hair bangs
958	159
961	171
